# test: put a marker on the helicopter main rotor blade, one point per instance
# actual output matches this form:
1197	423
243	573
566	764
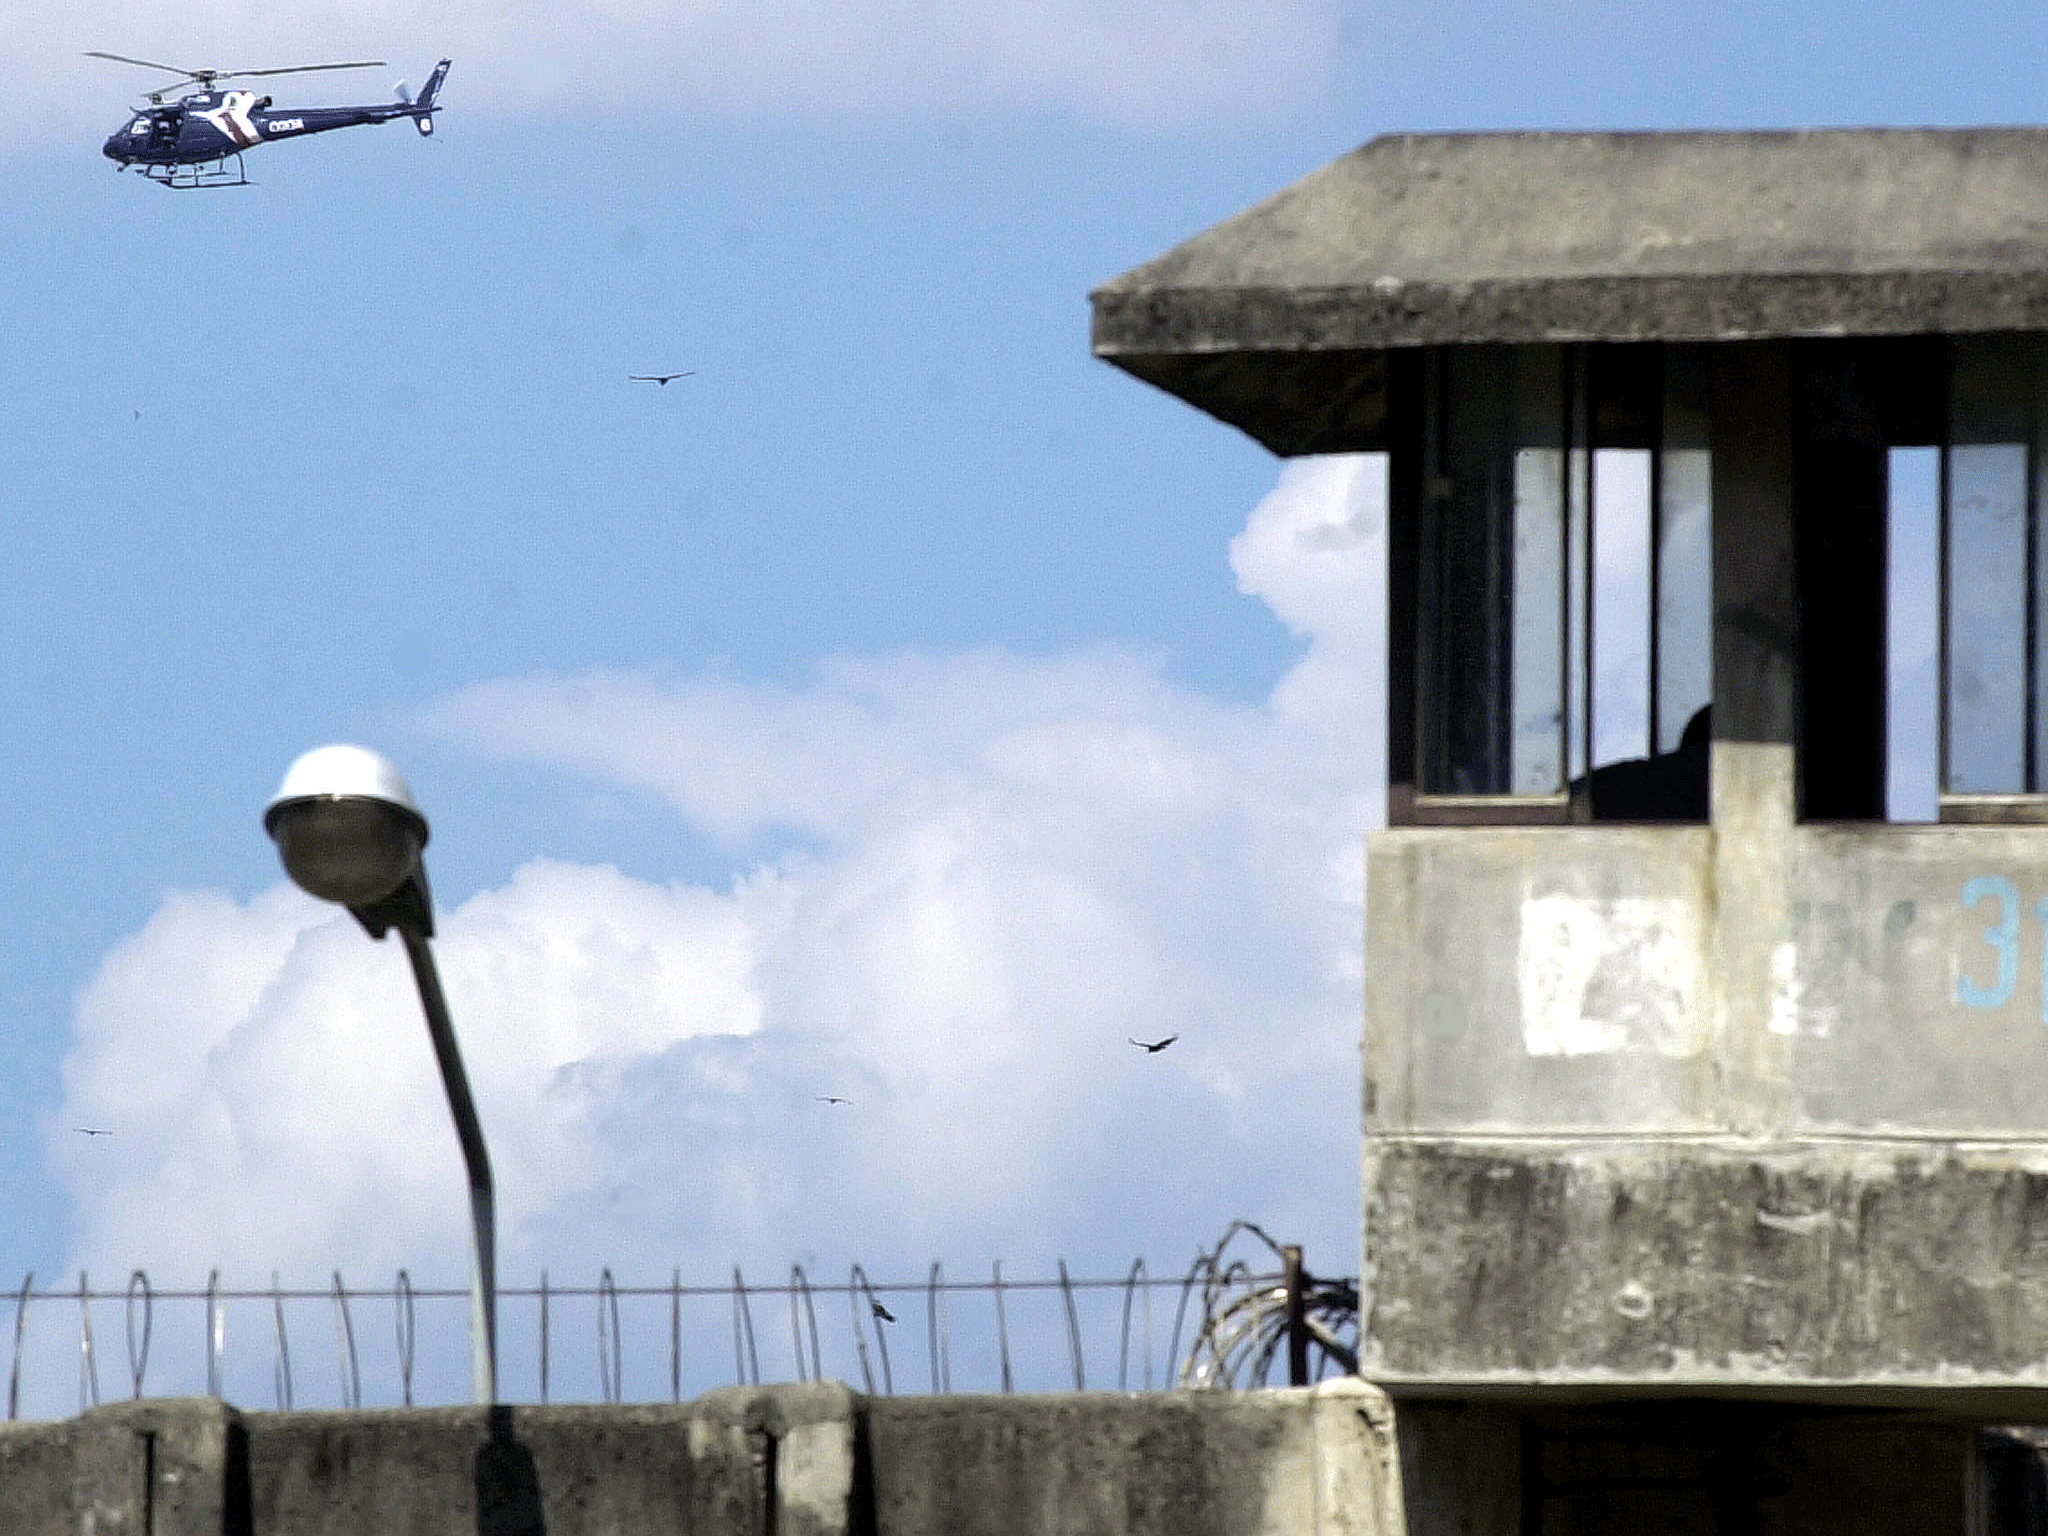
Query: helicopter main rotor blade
208	76
296	69
122	58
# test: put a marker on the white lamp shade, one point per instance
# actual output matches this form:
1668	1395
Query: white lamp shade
346	825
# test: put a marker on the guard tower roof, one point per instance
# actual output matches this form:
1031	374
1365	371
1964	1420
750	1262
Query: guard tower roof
1278	320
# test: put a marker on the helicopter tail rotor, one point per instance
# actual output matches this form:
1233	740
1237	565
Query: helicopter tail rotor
432	88
423	109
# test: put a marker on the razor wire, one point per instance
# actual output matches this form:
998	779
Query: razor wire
1241	1320
1248	1318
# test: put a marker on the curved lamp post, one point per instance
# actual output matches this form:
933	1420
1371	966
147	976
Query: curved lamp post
348	830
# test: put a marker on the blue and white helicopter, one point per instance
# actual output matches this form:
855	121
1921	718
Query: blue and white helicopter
197	140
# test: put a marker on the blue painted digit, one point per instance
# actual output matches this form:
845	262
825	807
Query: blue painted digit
2003	936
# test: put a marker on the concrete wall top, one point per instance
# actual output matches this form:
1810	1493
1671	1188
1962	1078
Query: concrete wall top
813	1460
1319	1462
1272	320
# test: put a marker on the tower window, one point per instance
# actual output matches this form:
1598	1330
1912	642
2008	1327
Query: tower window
1967	646
1564	599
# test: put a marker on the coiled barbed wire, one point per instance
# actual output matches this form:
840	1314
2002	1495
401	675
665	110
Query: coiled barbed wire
1238	1315
281	1367
346	1364
1135	1283
88	1368
611	1374
746	1359
1248	1319
856	1287
938	1330
800	1297
138	1347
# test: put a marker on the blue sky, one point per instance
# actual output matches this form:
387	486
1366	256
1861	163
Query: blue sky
904	701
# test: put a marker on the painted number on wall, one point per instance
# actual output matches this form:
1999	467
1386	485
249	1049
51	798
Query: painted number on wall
2002	937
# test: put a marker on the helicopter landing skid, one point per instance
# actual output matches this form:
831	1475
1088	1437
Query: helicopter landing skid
225	172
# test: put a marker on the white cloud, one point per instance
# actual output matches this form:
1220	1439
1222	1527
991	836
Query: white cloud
269	1080
1005	867
663	64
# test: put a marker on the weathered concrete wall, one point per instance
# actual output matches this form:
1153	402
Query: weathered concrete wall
168	1468
791	1461
1708	1105
1555	980
1279	320
1910	1272
714	1465
1533	979
1317	1463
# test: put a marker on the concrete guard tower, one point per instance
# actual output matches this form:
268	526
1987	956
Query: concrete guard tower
1706	1029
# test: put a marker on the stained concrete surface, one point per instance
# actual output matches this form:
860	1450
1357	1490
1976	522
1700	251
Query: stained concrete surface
1318	1463
811	1460
1279	320
1901	1273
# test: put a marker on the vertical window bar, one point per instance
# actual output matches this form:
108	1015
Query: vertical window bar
1941	592
1579	518
1500	588
1684	569
1568	583
1654	557
2037	579
1429	551
2030	705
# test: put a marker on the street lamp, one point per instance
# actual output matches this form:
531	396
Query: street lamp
348	830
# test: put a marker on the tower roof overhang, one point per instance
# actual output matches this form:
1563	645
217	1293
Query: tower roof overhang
1279	321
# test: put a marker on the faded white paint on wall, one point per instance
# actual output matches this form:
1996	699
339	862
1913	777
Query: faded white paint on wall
1610	977
1787	994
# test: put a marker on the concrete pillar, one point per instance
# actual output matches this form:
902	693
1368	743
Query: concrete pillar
167	1467
1755	769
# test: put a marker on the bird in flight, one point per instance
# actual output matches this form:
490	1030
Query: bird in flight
659	378
882	1312
1153	1047
87	1130
832	1098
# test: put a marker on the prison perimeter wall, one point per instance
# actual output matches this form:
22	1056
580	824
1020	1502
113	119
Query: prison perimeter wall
809	1460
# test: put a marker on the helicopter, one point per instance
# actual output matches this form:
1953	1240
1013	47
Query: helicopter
197	140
